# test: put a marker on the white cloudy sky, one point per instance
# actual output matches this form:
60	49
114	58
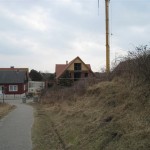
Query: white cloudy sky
41	33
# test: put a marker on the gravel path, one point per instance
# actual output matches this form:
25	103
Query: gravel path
15	128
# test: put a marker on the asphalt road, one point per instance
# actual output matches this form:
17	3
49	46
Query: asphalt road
15	128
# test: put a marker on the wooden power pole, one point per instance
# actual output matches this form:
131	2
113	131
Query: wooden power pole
107	36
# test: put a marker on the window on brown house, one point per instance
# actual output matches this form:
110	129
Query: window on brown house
77	66
77	76
86	75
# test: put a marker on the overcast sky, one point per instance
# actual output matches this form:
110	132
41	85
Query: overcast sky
41	33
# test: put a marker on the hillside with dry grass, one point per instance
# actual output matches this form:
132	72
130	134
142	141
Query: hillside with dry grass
110	115
106	115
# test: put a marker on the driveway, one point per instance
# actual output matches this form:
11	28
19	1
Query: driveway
15	128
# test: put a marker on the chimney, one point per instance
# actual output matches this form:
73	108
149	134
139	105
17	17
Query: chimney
66	62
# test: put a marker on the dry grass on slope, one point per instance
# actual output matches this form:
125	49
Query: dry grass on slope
124	122
110	116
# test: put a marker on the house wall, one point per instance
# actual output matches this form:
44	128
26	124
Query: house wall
82	74
71	67
35	86
22	88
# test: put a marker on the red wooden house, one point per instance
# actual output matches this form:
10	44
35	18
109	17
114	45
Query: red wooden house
13	80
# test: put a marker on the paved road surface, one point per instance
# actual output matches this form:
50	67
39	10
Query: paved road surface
15	128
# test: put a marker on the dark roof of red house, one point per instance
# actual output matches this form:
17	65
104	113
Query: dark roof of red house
12	77
17	69
60	68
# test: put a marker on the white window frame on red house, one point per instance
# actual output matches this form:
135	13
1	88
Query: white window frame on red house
13	88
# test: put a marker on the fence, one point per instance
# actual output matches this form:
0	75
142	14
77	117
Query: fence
11	97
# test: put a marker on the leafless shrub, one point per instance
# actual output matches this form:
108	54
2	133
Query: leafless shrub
58	93
136	65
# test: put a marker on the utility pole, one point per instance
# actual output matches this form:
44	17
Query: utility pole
107	36
3	91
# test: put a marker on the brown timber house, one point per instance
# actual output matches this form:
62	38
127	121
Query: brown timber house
76	69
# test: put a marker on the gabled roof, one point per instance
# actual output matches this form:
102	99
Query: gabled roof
61	68
12	76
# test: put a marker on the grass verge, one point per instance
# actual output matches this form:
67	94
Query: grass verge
5	109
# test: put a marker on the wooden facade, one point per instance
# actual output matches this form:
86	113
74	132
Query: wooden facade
15	88
75	70
13	81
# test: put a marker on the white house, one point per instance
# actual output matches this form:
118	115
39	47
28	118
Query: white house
35	86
